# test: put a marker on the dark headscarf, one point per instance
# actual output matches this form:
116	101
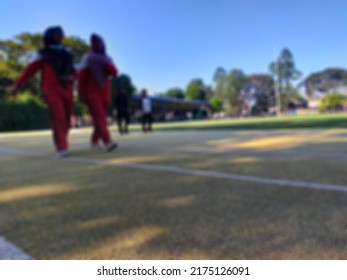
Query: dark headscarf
56	55
97	59
49	37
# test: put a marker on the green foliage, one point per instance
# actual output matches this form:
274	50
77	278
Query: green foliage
77	46
331	102
23	113
195	90
328	80
80	109
216	104
219	74
174	93
289	95
16	53
261	89
229	89
284	70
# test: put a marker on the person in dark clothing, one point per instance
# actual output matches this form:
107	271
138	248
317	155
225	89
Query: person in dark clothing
122	107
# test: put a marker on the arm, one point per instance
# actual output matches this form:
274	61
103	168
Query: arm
111	70
28	73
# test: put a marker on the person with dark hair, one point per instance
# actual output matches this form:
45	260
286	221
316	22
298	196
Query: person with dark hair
58	73
122	107
146	105
96	69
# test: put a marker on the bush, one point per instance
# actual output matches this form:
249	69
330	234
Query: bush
26	112
331	102
216	104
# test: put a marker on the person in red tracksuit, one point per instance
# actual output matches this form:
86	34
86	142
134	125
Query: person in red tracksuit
94	87
56	66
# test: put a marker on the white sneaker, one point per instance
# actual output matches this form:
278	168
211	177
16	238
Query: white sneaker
62	154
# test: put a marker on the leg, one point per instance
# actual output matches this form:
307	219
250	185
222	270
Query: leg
127	121
144	122
119	122
150	120
68	110
99	116
96	135
58	114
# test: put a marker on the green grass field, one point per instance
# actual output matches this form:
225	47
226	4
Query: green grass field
176	195
283	122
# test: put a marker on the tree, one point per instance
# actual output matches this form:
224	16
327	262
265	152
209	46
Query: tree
291	96
21	48
77	46
219	74
229	88
216	104
174	93
16	54
259	94
195	90
331	102
284	71
328	80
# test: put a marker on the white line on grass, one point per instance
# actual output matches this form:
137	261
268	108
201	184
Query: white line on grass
277	153
9	251
189	171
214	174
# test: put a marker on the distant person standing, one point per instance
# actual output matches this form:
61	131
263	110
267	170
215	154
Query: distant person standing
122	107
56	66
147	117
96	69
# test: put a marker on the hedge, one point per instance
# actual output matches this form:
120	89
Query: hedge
25	112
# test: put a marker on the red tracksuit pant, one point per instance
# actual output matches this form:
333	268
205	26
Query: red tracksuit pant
60	109
98	109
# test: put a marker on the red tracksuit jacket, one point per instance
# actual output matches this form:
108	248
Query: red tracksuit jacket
50	83
90	88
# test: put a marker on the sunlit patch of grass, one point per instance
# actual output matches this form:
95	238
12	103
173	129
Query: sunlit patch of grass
99	222
181	201
115	246
29	192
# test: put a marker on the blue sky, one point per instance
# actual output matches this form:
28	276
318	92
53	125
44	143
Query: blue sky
166	43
